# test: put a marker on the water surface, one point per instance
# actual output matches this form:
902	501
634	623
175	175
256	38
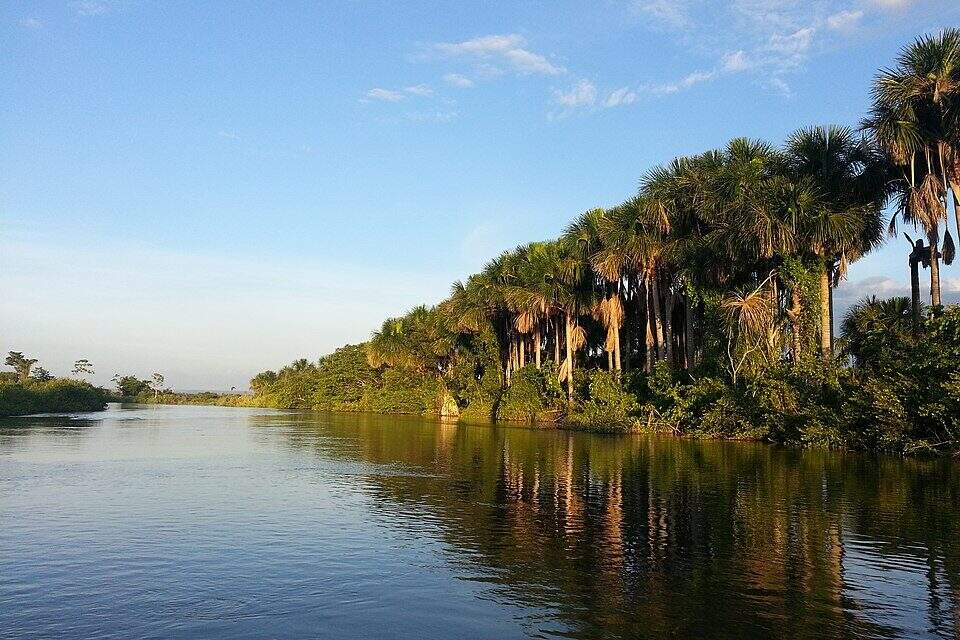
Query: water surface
190	522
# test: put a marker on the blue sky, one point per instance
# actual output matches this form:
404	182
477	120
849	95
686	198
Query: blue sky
211	189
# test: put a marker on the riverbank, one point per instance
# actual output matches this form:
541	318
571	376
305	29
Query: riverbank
905	399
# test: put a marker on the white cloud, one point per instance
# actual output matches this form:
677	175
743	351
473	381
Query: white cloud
736	61
690	80
483	46
781	87
582	94
508	49
384	95
91	7
790	50
620	97
420	90
844	20
668	13
31	23
434	115
457	80
893	4
229	135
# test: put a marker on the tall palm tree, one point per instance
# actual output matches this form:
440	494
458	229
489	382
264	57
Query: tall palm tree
845	221
916	118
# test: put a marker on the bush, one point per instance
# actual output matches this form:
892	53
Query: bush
534	395
59	395
607	407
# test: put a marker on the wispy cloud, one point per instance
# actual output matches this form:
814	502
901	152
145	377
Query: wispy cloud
507	50
585	95
457	80
398	95
886	287
31	23
91	7
844	20
620	97
669	13
736	61
582	94
384	95
790	50
420	90
893	4
229	135
766	38
689	80
431	115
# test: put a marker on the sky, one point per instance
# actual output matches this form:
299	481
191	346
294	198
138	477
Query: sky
208	190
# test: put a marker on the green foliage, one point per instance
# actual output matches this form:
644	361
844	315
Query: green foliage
21	364
534	396
130	386
58	395
608	406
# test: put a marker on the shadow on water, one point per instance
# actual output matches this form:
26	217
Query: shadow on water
641	536
183	522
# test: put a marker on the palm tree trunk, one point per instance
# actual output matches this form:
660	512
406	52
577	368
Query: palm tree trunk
536	345
569	354
915	287
934	272
686	331
796	308
955	189
668	326
617	361
556	341
832	321
627	333
657	316
522	350
825	315
650	342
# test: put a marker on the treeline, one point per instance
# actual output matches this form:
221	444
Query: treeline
704	305
30	388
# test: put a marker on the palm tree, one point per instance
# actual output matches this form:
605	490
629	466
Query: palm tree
587	239
845	221
916	119
890	319
421	341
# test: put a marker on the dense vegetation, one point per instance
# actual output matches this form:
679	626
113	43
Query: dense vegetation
32	389
704	305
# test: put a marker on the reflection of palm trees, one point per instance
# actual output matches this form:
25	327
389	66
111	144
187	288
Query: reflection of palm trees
641	536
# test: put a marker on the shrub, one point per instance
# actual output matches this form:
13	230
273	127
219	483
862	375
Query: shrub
607	407
59	395
534	395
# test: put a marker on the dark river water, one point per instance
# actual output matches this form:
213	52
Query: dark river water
206	522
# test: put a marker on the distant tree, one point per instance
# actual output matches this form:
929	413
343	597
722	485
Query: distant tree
157	384
130	385
41	375
82	367
263	380
20	364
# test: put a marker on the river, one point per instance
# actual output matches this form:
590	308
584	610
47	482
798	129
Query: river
209	522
